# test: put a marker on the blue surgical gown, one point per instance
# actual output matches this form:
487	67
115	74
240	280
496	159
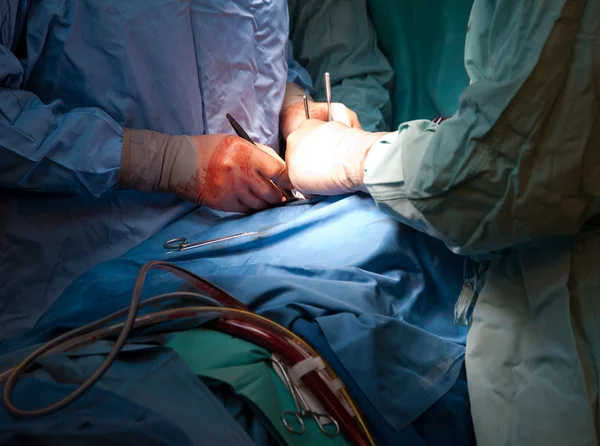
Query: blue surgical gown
513	179
73	73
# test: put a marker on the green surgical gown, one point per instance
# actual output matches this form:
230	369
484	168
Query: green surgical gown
513	178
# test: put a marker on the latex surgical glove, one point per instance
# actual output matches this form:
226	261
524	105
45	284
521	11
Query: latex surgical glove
222	172
293	114
327	158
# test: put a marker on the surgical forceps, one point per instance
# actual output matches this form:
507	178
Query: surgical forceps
302	409
306	112
328	95
181	243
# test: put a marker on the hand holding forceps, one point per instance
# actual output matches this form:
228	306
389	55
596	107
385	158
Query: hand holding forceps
302	409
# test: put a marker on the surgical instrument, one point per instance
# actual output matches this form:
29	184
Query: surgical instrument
238	129
306	112
302	409
328	95
181	243
289	196
295	415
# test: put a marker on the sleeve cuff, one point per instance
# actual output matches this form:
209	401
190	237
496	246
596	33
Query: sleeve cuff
383	177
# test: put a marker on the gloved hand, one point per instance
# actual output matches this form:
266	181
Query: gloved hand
292	112
223	172
327	158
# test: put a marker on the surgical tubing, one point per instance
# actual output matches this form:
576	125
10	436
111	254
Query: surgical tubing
274	344
71	339
202	284
100	333
85	333
252	333
221	296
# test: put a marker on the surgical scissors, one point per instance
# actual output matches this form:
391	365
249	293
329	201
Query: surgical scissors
181	243
302	409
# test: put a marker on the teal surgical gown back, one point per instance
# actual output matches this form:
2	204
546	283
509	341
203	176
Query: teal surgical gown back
513	179
73	73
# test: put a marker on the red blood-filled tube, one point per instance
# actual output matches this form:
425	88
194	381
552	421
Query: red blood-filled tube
236	326
202	284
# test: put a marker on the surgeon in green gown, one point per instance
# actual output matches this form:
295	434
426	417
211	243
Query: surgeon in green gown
512	180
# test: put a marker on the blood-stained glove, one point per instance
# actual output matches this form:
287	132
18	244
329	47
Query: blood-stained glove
223	172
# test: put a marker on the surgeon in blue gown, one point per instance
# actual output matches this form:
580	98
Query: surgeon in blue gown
512	180
112	125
